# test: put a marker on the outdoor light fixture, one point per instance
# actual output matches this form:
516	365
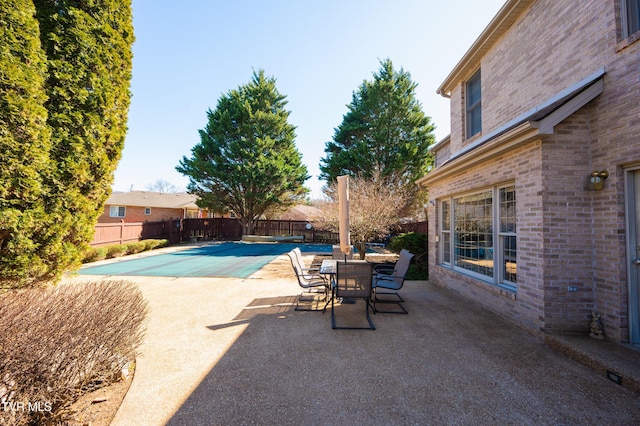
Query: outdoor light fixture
596	180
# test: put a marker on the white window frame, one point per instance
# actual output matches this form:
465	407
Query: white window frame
445	232
475	107
500	277
483	253
117	211
147	211
503	233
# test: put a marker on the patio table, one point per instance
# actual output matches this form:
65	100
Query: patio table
328	267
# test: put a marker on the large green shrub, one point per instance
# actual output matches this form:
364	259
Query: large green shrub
24	144
89	60
135	247
94	254
412	241
417	244
65	69
116	250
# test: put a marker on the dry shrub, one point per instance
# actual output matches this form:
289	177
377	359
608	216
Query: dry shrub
135	247
116	250
152	244
57	343
95	254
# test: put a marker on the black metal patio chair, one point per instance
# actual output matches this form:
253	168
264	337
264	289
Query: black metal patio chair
353	281
311	282
391	278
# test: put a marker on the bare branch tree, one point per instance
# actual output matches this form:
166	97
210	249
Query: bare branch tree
375	208
162	186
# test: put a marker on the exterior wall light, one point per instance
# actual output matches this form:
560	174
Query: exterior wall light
596	180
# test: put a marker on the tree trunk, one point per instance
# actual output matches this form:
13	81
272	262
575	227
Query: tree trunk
362	249
247	227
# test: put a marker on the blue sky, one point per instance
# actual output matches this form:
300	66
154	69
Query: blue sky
188	54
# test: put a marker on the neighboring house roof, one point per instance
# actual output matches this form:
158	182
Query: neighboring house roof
499	25
153	199
300	212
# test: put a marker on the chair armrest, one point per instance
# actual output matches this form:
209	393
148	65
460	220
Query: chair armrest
383	268
308	276
386	277
382	280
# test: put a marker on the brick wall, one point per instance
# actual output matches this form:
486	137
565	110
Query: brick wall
567	235
615	146
567	226
136	214
552	45
521	166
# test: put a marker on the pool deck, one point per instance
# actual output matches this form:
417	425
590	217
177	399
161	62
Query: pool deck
234	351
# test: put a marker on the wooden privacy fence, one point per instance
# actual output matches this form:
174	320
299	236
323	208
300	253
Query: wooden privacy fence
231	229
417	227
178	230
120	233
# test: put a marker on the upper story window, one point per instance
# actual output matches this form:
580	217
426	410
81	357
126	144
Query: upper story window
474	103
117	211
630	17
147	211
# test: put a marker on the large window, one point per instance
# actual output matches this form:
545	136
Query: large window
473	226
474	104
478	235
630	17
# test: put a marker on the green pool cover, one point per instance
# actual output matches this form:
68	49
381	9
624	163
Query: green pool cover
230	259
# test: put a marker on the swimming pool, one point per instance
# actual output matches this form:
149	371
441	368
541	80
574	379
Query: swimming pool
228	259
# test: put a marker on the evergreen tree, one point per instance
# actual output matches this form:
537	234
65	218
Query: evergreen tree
88	49
24	141
385	133
64	96
246	162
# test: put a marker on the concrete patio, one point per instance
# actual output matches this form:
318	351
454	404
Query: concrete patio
222	351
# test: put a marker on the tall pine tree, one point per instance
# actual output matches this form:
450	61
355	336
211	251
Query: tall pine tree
65	68
247	162
385	133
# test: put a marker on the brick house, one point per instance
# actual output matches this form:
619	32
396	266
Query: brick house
143	206
534	207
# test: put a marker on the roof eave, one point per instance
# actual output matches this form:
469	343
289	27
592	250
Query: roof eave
541	120
440	143
470	62
515	137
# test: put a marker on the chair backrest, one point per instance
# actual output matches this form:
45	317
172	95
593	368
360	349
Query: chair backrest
295	263
353	279
402	266
298	256
298	267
